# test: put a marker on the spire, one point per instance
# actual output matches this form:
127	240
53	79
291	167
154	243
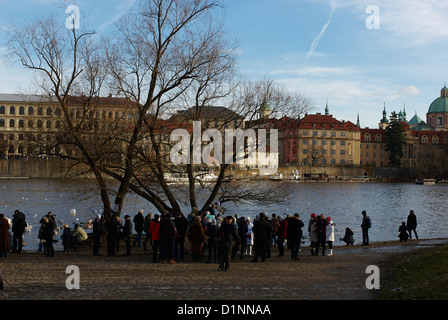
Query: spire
327	111
404	111
357	121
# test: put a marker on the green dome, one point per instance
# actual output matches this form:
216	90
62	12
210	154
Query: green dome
440	105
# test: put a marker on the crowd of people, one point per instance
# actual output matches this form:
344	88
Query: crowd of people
213	237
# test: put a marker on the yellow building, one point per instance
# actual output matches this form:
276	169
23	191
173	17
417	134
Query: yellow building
29	123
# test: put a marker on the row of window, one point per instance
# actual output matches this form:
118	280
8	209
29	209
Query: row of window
324	142
79	113
324	134
323	152
21	124
21	111
324	162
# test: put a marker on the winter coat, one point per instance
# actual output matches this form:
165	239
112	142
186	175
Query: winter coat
18	223
330	231
412	222
4	236
212	234
313	232
294	228
181	224
249	235
80	234
262	230
228	234
282	229
139	220
127	228
154	230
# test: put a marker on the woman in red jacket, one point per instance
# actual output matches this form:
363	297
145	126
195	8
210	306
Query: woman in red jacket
155	236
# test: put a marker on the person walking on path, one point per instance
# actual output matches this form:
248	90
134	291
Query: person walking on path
262	230
365	226
4	237
139	221
154	234
127	233
228	235
181	224
196	235
18	229
98	232
294	235
330	235
412	224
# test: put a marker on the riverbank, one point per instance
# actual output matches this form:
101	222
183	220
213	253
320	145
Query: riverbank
32	276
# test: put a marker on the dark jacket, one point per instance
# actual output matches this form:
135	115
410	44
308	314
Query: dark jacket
181	224
127	228
262	230
139	220
294	228
18	223
228	234
98	228
212	233
412	221
48	229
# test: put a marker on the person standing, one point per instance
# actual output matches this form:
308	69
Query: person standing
167	234
294	234
127	233
98	231
249	237
197	237
262	230
228	235
4	236
18	229
412	224
242	231
330	235
321	229
146	226
365	226
48	233
281	236
113	227
139	221
212	236
154	234
181	224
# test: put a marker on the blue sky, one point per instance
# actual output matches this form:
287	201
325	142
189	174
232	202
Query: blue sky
320	48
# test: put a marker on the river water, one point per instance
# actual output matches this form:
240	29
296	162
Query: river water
387	204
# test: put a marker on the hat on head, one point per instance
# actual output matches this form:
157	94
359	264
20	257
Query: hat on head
329	218
313	215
